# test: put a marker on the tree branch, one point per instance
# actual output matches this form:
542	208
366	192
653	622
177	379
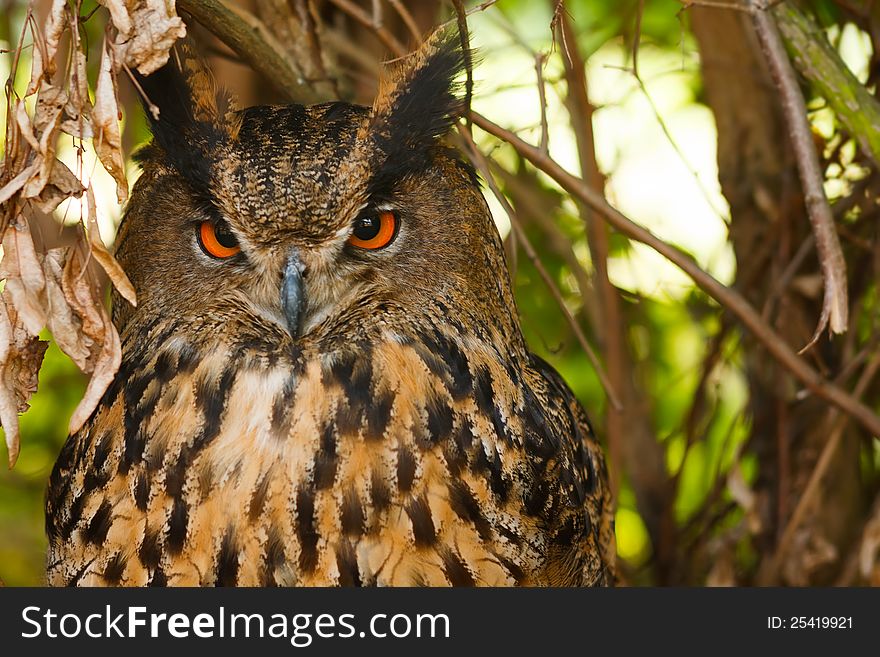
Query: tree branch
835	306
251	40
727	297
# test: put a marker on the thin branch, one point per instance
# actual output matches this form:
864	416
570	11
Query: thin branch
252	41
407	19
479	161
727	297
835	307
381	32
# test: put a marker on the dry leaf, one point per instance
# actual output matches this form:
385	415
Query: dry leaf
105	123
47	119
65	325
20	358
100	253
81	295
84	298
24	277
13	186
43	59
62	184
147	30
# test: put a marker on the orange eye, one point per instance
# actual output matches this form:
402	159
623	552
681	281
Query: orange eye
374	231
217	241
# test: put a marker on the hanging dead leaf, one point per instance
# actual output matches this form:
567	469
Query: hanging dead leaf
80	292
45	47
47	119
21	356
100	253
105	122
62	184
64	324
24	276
147	30
83	295
13	186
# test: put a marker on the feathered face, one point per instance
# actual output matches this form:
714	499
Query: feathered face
288	222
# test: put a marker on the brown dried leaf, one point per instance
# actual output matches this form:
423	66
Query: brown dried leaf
105	123
65	325
43	61
84	298
24	124
24	277
20	358
13	186
80	292
147	30
62	184
47	120
114	271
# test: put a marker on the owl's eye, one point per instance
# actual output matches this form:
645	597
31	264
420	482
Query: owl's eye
217	240
374	231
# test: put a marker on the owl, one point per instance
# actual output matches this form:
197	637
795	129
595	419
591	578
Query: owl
324	382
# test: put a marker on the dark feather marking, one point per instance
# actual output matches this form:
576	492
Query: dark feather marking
73	517
114	569
212	400
158	579
258	501
227	560
326	460
515	571
456	571
380	495
378	415
96	531
280	421
497	481
419	513
466	507
150	550
440	419
305	530
178	523
352	514
141	491
406	469
346	562
165	367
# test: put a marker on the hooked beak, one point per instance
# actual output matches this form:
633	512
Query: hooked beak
292	293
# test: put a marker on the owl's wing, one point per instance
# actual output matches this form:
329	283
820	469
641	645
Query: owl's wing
572	471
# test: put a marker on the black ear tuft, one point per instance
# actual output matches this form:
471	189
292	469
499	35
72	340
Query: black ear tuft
418	101
193	114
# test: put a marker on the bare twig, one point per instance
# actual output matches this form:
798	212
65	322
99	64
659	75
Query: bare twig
835	307
365	19
252	41
479	161
727	297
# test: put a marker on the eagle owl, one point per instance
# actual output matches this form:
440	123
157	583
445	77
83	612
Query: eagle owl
324	381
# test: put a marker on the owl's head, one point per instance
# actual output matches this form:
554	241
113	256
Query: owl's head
311	224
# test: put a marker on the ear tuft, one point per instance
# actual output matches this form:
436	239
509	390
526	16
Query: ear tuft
194	113
418	101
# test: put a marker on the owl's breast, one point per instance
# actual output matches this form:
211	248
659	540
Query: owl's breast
390	464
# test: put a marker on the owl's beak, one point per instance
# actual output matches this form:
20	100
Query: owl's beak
292	293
